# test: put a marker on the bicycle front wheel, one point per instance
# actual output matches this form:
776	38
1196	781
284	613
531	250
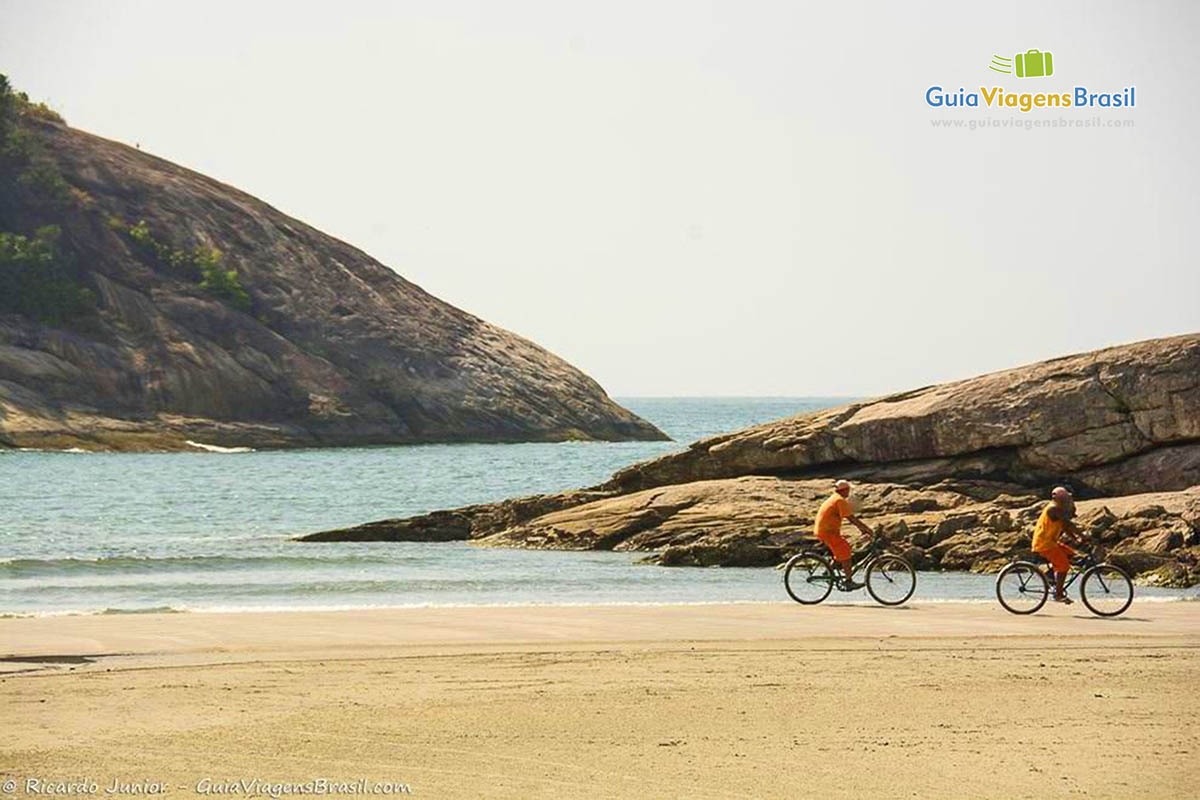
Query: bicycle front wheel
808	578
1022	588
891	580
1106	589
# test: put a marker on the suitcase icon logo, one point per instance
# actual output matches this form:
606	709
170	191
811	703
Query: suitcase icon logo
1033	64
1030	64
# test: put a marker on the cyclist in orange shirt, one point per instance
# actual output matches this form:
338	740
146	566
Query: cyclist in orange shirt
1054	521
828	528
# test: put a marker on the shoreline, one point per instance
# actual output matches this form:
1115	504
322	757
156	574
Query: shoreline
317	632
1192	597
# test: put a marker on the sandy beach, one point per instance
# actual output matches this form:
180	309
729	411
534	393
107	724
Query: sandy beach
753	700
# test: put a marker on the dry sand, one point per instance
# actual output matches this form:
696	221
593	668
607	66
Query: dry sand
757	700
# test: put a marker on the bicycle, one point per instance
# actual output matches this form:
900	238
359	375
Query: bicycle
1023	587
809	576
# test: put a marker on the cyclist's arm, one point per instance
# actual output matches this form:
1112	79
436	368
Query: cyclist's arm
1070	531
859	524
1074	535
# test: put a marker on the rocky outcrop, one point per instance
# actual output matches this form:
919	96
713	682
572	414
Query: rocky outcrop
458	524
759	521
332	348
954	475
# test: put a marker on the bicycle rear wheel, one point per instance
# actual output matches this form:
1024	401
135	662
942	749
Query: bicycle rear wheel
1022	588
808	578
1106	589
891	580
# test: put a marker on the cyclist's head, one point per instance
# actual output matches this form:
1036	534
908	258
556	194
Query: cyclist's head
1060	493
843	488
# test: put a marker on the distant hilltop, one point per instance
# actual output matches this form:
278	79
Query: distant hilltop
143	305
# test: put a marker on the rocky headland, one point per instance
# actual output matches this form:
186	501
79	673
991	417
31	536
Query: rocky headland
143	305
952	474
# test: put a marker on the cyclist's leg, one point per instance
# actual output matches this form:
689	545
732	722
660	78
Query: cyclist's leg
1060	558
839	548
1069	555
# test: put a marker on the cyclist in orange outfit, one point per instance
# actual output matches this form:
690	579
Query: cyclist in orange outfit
828	528
1055	520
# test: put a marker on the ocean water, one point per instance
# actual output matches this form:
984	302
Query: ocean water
204	531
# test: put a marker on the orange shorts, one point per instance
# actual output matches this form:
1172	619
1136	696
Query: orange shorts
1059	556
836	544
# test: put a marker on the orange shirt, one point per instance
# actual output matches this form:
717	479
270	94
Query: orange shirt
1045	535
833	511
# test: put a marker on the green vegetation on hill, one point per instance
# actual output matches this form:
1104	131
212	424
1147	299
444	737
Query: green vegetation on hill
202	265
39	274
30	184
37	280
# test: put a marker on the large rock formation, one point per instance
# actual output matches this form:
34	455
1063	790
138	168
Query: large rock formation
330	347
1115	421
953	474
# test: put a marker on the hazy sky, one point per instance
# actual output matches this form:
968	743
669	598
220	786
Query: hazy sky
683	198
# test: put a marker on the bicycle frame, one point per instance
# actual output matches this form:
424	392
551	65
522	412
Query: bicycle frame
1083	561
1034	577
830	576
858	561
